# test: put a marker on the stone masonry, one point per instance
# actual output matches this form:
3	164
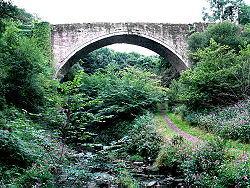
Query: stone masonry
72	41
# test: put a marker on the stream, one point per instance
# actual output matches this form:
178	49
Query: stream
106	170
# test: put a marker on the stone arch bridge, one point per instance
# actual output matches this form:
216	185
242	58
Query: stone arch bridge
71	41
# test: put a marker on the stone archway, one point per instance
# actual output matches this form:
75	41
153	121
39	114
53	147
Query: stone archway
71	41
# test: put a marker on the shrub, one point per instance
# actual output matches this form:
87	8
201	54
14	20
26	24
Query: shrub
203	164
181	110
224	33
26	71
13	151
174	97
220	77
228	122
172	155
123	94
144	140
235	173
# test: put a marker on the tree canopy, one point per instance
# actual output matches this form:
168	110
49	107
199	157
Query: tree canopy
231	10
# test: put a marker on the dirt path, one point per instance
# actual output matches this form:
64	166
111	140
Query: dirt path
172	126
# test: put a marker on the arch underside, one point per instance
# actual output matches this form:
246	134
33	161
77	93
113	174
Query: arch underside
129	39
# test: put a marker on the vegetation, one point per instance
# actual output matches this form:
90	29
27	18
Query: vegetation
228	122
101	118
101	58
213	96
206	164
234	11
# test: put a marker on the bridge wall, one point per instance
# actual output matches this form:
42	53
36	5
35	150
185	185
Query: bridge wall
168	40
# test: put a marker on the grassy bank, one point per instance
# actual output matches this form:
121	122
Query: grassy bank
211	162
203	134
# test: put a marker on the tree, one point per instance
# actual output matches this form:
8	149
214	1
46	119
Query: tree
231	10
25	71
7	10
220	77
124	93
75	107
224	33
165	71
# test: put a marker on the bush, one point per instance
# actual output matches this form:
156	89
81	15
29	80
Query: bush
224	33
235	173
174	94
26	71
204	164
144	140
228	122
181	110
123	94
219	78
171	156
12	150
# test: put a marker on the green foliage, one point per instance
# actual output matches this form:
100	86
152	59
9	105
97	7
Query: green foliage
229	122
174	94
195	41
170	156
244	15
76	106
165	71
7	11
19	146
201	167
25	17
113	131
227	10
124	94
219	78
205	164
236	173
42	34
143	137
101	58
224	33
125	179
12	150
26	72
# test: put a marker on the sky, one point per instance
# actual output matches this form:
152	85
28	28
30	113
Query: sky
82	11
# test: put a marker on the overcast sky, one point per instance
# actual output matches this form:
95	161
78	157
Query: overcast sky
68	11
81	11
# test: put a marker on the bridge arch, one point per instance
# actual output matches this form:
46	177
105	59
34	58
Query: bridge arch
143	41
72	41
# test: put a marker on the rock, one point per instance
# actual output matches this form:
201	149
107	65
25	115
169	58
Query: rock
91	147
113	147
136	170
117	161
91	185
151	169
179	180
152	183
98	146
170	179
139	175
114	186
138	163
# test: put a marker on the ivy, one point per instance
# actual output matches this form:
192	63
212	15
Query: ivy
42	34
